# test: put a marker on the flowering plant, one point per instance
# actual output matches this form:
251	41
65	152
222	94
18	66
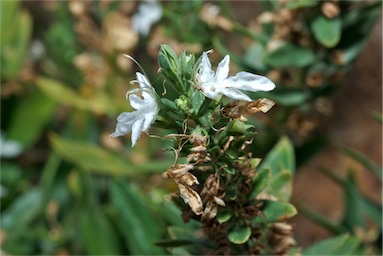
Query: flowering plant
216	177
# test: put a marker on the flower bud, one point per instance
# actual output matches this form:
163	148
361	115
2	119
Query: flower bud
237	127
187	62
182	103
170	67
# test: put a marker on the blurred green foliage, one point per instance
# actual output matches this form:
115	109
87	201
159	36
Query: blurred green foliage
73	190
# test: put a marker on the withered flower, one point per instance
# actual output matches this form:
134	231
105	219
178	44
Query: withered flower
184	180
237	109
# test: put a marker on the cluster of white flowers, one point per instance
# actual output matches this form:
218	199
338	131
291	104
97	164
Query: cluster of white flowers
212	84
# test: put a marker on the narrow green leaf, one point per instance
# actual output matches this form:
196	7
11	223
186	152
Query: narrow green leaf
22	210
139	227
98	236
294	4
323	221
358	209
290	55
364	161
326	31
8	14
34	112
14	52
17	218
99	103
239	235
94	159
334	246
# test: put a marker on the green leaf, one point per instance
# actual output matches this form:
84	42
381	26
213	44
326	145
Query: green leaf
358	209
8	14
192	244
322	221
275	211
293	4
281	185
280	158
180	233
260	181
98	236
17	218
22	210
29	119
137	224
197	100
14	51
224	216
240	235
11	173
326	31
99	103
344	244
290	55
377	116
364	161
92	158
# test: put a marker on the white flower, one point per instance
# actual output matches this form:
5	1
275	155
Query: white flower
146	111
148	13
218	83
9	148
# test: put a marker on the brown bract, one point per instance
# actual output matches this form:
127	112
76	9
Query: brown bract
280	238
185	180
237	109
212	195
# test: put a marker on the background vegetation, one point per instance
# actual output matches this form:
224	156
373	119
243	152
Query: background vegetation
68	188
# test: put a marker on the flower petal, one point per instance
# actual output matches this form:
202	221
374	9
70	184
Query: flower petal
235	94
210	90
223	69
122	128
127	116
149	118
136	101
250	82
205	71
143	81
136	130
